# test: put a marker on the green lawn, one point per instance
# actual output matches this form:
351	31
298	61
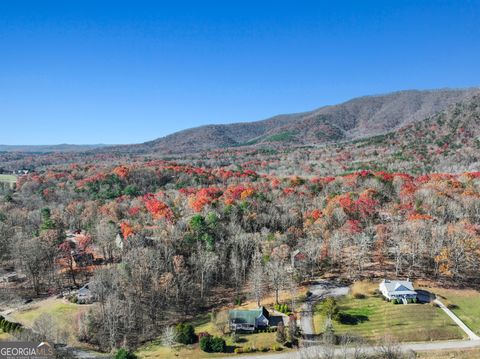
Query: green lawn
372	318
464	303
64	313
155	349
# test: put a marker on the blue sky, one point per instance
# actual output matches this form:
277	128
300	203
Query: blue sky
125	72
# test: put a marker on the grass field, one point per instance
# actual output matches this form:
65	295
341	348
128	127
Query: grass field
4	336
258	341
464	303
450	354
8	178
155	349
64	314
372	318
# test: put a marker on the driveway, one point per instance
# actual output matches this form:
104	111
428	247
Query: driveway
471	335
320	290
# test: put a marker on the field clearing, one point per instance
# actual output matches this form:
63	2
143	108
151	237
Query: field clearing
465	303
364	287
155	349
8	178
64	313
372	318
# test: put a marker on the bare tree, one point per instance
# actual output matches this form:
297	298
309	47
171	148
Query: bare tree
205	262
169	337
105	232
47	327
276	272
257	277
388	348
35	258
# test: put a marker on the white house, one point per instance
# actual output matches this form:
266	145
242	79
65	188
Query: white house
398	289
84	295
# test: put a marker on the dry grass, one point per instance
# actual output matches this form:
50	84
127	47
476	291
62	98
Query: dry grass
364	287
450	354
64	313
269	300
8	178
157	350
4	336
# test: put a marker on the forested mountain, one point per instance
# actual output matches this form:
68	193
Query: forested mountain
168	240
446	140
358	118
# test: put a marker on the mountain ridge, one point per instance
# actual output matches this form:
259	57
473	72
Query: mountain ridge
357	118
62	147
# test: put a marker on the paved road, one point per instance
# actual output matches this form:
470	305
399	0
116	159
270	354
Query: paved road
320	290
312	352
471	335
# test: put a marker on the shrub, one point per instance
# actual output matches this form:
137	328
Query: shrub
238	351
125	354
276	347
185	334
205	343
281	336
218	345
238	301
9	327
359	296
211	344
264	349
235	337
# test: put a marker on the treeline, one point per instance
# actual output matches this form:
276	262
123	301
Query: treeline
179	239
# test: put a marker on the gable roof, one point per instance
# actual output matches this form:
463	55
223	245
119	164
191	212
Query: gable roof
399	286
247	316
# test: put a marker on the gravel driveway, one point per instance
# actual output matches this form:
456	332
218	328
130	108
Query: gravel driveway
320	290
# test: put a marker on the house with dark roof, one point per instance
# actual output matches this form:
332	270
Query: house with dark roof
398	289
249	320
